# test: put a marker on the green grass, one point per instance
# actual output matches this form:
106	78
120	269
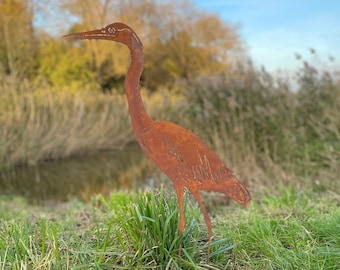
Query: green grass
292	230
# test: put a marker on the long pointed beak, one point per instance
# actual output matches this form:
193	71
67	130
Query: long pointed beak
94	34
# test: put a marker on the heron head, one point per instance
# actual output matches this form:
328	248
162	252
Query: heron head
118	32
237	191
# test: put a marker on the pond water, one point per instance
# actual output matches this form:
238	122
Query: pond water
81	177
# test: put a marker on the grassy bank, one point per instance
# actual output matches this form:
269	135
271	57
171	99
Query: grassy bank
293	230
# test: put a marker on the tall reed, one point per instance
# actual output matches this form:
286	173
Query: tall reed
262	126
44	123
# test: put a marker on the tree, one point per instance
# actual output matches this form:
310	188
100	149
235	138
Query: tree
62	65
179	40
201	46
18	49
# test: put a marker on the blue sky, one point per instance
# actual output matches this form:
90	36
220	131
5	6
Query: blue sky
273	31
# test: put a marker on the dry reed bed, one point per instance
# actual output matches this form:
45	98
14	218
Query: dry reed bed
47	124
265	130
261	128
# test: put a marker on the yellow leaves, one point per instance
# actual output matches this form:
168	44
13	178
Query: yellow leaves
171	67
179	40
68	66
18	44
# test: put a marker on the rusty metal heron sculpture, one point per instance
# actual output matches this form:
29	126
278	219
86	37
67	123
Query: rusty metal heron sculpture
180	154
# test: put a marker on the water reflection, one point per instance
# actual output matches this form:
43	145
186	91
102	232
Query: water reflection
80	176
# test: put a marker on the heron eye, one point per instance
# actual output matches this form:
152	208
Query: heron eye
111	30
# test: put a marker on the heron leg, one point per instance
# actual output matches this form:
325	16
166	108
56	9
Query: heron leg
207	219
180	197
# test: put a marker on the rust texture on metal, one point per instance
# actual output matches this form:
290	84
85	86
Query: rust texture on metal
179	153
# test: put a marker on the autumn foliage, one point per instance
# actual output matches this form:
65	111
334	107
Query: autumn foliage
179	42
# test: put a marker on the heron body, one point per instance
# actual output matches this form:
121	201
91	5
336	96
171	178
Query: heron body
179	153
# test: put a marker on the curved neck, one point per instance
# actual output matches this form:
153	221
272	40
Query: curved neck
139	117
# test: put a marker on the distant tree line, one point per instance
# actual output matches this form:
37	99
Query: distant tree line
179	40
